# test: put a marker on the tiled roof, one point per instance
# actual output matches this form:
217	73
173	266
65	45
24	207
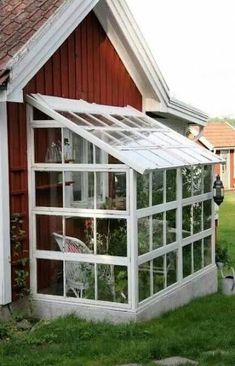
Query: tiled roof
220	134
19	20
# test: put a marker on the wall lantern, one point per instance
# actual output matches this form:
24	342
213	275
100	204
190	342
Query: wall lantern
218	190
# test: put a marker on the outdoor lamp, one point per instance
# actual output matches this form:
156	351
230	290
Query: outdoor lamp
218	190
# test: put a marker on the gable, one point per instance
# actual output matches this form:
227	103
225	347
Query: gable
122	30
86	66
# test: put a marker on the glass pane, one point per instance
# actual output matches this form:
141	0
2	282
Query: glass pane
47	145
144	281
157	230
92	119
79	235
107	121
46	226
187	260
121	284
186	182
111	191
101	157
170	226
207	178
76	149
49	189
207	212
112	160
50	277
143	235
171	267
80	280
158	274
186	221
170	185
207	251
112	283
79	189
157	187
197	180
111	237
38	115
197	255
197	217
142	190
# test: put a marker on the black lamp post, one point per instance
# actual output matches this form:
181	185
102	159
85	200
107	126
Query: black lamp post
218	190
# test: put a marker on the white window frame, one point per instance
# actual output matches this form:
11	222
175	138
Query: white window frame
180	242
74	212
132	261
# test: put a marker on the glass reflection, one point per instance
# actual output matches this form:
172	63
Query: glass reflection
186	182
187	260
158	226
144	281
50	277
170	185
157	187
170	226
143	235
142	190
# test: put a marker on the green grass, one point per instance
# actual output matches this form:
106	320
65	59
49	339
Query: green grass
204	325
226	232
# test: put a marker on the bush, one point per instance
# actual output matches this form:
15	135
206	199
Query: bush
221	255
4	331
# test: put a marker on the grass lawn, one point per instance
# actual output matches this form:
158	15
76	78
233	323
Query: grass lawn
226	232
203	330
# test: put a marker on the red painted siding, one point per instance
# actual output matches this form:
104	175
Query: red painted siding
217	166
232	178
86	66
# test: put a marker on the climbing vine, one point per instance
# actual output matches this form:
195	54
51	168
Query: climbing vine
20	260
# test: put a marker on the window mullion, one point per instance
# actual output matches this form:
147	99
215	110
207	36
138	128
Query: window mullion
179	225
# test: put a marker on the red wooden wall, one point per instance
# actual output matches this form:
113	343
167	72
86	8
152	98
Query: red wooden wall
218	167
86	66
232	176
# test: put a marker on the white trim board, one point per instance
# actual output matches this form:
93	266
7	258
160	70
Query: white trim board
5	253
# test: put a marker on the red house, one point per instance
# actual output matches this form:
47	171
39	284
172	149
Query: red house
219	137
108	210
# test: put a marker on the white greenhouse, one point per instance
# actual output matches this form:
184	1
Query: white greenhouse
121	212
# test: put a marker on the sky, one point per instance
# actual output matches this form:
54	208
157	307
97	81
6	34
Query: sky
193	42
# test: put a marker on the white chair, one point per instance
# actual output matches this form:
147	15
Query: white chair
76	273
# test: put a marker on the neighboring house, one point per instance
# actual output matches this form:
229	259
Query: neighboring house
219	137
70	154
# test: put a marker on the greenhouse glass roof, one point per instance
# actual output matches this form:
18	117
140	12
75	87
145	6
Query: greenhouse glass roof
129	135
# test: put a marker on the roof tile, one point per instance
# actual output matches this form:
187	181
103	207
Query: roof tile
220	134
19	20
